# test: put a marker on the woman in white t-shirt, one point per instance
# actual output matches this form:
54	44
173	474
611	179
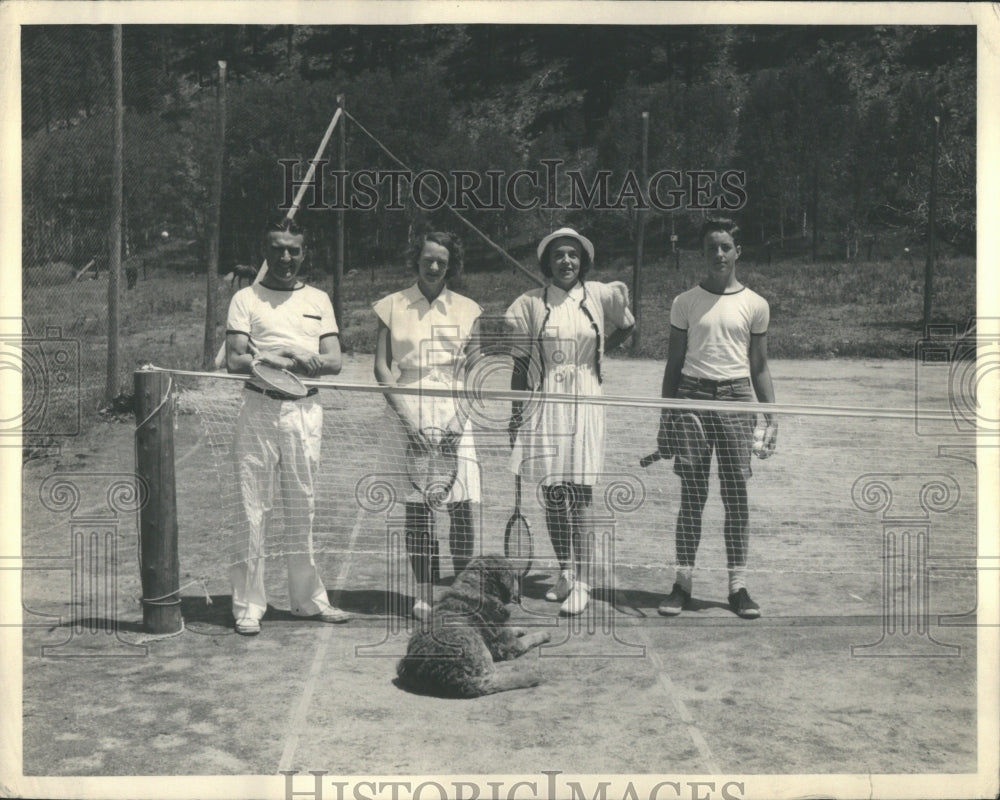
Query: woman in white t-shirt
428	333
560	334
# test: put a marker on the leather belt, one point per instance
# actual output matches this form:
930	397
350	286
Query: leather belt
278	395
713	383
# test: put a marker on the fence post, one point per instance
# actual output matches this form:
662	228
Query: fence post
338	252
931	213
214	212
640	236
115	231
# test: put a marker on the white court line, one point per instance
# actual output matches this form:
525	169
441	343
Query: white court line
298	717
711	768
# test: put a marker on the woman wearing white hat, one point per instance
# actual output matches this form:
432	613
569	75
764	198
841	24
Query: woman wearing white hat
561	332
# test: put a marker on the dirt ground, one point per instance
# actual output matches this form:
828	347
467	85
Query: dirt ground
797	692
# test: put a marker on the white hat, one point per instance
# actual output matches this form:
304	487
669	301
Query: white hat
566	233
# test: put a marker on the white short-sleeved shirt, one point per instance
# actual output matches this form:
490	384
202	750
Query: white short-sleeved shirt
428	341
428	337
279	318
719	327
556	320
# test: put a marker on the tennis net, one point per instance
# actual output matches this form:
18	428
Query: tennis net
818	506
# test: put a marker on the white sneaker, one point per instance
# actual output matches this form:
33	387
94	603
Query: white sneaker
335	615
247	626
562	588
577	601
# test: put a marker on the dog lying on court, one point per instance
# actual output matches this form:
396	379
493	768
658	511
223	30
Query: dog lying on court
454	655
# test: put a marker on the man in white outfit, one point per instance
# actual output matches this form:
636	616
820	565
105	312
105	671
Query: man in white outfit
282	322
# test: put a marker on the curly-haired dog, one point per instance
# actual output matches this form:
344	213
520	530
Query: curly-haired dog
454	655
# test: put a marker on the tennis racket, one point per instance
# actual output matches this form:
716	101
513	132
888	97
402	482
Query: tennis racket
432	464
517	537
686	435
279	380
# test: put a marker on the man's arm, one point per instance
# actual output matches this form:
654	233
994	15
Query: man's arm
327	361
760	376
330	359
760	373
238	355
676	353
239	351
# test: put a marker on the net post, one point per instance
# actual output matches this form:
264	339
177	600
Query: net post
154	463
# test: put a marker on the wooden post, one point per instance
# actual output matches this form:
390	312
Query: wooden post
115	230
640	236
931	213
338	252
154	463
214	213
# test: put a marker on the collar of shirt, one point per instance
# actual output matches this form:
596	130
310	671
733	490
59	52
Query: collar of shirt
556	294
298	285
414	297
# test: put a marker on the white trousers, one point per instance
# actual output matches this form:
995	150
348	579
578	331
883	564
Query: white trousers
276	449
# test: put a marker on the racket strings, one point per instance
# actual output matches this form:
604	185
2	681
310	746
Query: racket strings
279	380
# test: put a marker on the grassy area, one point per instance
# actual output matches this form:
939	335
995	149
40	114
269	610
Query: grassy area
828	309
824	310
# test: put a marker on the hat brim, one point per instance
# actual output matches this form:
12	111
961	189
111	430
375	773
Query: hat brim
566	233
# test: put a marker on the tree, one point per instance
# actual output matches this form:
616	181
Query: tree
766	152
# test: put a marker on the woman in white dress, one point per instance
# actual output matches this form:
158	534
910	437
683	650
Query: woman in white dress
429	333
560	334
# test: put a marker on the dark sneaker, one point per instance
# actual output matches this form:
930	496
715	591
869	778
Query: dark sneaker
743	606
675	603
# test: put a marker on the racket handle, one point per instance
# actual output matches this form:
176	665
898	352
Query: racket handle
645	461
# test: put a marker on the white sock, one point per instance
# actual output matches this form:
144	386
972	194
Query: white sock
685	577
737	579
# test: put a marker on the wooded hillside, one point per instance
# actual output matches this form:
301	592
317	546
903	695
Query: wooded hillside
832	126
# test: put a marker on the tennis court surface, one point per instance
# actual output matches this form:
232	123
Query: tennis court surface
864	661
